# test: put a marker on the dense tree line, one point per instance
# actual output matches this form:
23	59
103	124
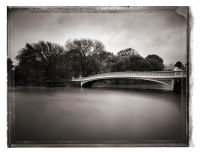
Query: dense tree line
138	63
10	72
49	63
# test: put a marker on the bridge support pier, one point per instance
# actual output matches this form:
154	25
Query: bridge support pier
172	84
179	85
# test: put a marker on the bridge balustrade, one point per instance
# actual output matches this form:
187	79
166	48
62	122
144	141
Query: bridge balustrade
137	74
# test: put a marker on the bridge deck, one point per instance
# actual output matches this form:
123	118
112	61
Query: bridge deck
149	74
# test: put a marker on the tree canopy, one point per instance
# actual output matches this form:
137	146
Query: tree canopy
127	52
179	65
84	50
135	62
40	61
10	67
43	62
156	62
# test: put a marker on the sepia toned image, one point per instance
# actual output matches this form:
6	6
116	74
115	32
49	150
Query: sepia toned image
98	76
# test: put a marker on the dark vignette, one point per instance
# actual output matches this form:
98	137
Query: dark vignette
78	9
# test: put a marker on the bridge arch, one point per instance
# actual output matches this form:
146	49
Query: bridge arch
88	83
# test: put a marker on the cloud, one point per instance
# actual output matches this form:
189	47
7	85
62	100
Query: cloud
161	32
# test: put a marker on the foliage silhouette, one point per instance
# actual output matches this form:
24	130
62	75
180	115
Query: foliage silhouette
49	63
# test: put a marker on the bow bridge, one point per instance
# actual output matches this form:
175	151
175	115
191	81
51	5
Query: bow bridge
167	78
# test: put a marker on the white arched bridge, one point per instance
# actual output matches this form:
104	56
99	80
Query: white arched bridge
164	77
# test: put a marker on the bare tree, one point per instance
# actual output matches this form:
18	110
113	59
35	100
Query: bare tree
86	49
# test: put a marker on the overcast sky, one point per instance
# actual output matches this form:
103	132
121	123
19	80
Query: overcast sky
160	32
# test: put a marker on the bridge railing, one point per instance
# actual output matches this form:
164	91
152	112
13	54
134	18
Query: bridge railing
136	74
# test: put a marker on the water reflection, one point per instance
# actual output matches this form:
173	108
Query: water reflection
67	114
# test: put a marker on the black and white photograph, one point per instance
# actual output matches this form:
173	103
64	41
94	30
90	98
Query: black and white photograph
98	76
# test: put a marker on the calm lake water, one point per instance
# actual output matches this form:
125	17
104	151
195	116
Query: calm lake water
95	114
